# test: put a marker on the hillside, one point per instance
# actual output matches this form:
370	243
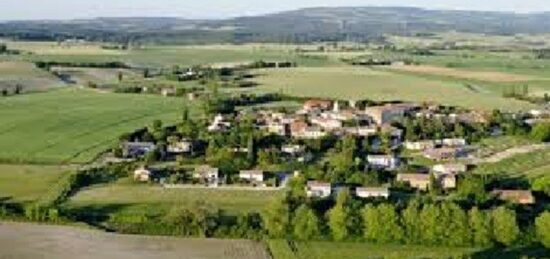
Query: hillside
304	25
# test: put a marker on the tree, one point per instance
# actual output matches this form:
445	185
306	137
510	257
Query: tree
120	76
542	225
480	225
339	217
306	223
3	48
431	230
410	218
251	151
277	218
541	132
381	224
146	73
505	227
454	222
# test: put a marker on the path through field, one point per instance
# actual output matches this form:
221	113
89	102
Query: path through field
40	241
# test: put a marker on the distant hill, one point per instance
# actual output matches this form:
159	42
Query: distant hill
304	25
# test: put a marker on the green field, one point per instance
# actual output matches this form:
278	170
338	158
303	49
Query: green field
529	165
139	198
281	249
364	83
26	183
73	125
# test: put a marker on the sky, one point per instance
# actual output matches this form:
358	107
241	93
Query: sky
192	9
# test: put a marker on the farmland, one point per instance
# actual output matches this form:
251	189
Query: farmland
13	73
26	183
35	241
72	125
357	83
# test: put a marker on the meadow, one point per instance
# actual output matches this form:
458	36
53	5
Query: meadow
364	83
130	198
27	183
74	125
529	165
14	72
281	249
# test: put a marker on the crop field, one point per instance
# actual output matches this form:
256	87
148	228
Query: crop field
132	197
281	249
25	74
40	241
498	77
73	125
26	183
364	83
529	165
82	76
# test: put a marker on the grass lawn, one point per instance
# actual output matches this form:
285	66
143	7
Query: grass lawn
128	197
73	125
26	183
280	249
364	83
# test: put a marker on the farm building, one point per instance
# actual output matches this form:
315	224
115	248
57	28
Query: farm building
318	189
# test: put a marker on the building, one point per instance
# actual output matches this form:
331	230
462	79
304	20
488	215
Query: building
449	168
389	162
388	113
137	149
327	123
311	105
180	147
368	192
440	154
277	128
417	181
318	189
454	142
420	145
143	174
363	131
219	124
210	175
447	181
293	150
168	91
310	133
515	196
255	176
297	127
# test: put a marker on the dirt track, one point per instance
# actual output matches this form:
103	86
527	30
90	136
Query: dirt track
41	241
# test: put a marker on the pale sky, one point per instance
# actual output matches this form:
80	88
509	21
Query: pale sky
72	9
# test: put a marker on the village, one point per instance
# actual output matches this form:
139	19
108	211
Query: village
304	138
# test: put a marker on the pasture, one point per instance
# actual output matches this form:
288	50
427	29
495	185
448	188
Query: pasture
363	83
137	198
74	125
281	249
30	78
41	241
27	183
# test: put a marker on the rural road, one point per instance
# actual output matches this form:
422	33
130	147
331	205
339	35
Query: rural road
18	240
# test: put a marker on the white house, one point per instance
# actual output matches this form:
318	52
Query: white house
219	124
252	175
180	147
454	142
447	181
367	192
318	189
293	149
449	168
389	162
143	174
419	145
210	175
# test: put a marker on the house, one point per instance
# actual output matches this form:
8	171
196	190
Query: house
447	181
317	105
450	168
454	142
420	145
417	181
368	192
256	176
210	175
180	147
143	174
440	154
387	113
311	133
219	124
363	131
389	162
168	91
327	123
293	150
137	149
277	128
297	127
192	96
515	196
318	189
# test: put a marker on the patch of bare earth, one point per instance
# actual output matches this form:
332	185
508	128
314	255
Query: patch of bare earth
41	241
489	76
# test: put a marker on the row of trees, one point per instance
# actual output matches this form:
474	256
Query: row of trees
443	223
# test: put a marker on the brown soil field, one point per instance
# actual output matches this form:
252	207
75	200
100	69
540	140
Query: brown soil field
489	76
41	241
